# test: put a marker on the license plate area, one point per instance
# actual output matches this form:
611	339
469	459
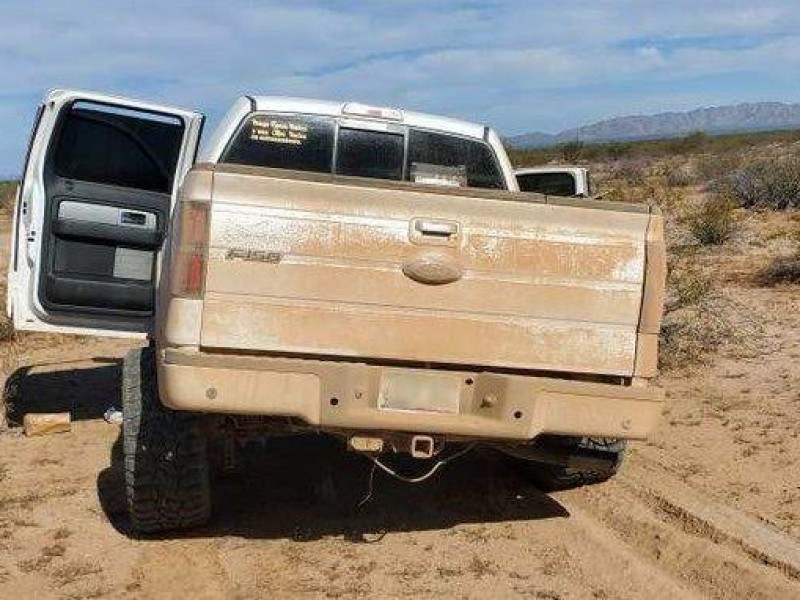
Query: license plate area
418	391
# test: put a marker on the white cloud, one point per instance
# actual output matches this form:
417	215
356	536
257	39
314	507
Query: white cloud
520	65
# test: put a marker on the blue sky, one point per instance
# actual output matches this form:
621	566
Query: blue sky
518	65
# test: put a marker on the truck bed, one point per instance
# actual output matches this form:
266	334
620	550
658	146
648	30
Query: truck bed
323	266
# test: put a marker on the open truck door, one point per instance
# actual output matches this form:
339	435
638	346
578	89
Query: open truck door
93	211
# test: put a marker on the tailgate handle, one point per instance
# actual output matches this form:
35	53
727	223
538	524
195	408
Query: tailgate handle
437	229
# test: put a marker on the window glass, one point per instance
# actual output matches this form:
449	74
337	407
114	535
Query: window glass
458	155
365	153
300	142
552	184
118	146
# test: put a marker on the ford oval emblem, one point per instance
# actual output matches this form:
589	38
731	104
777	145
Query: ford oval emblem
433	268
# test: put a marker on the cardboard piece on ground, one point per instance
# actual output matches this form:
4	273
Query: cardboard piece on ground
46	423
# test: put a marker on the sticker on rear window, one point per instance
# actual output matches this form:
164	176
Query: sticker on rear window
278	131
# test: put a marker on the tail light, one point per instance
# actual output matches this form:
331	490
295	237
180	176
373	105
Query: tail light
190	252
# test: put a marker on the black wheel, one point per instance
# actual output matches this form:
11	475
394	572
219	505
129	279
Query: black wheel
166	462
551	478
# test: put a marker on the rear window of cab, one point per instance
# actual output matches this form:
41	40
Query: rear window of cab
312	143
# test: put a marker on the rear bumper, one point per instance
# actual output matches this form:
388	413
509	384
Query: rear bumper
360	397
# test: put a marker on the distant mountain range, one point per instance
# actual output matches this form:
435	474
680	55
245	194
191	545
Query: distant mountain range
758	116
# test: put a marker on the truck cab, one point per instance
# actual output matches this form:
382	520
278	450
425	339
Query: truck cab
555	180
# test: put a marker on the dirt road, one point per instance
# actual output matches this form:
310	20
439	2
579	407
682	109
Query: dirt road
289	528
709	508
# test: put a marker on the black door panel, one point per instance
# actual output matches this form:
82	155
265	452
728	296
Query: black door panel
95	259
108	182
131	223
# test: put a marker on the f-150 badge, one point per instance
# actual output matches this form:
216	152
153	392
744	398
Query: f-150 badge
253	255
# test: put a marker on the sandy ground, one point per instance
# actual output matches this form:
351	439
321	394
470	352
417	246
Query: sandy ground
710	507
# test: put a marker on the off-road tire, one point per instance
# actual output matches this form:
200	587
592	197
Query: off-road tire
166	461
551	478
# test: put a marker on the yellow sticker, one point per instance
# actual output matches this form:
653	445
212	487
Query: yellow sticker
263	129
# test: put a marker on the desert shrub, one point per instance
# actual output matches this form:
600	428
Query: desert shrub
715	148
687	333
618	150
7	191
696	317
713	169
784	269
688	287
632	171
572	152
680	176
6	329
713	222
771	183
690	334
688	144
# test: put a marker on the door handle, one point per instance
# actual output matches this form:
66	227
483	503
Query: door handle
129	217
436	229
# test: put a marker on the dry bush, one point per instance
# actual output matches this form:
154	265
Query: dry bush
680	176
688	144
713	222
6	329
784	269
772	183
8	190
631	171
688	287
715	167
571	152
687	332
700	319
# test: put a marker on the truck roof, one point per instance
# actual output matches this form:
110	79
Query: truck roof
333	108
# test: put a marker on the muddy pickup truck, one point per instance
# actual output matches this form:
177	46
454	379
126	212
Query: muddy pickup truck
368	273
554	180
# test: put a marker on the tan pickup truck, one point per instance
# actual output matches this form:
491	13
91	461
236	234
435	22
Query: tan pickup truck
415	309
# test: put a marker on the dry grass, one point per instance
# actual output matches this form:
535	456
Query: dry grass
74	571
683	174
692	324
690	334
7	190
700	318
572	152
772	183
713	222
631	171
693	145
783	270
481	567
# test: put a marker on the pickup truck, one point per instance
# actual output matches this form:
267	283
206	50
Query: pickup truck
555	180
364	272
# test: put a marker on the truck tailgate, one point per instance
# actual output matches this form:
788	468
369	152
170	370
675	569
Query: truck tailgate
315	266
